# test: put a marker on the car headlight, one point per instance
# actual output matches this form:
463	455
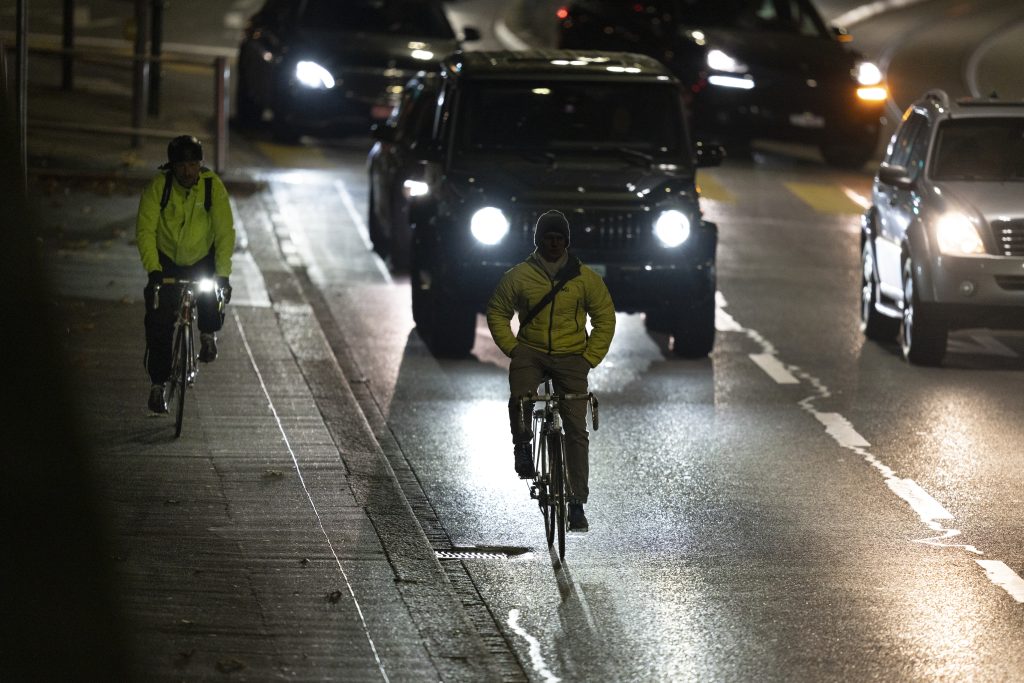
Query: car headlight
957	234
312	75
489	225
720	61
867	73
672	228
415	188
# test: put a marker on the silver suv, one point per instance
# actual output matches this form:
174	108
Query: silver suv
942	245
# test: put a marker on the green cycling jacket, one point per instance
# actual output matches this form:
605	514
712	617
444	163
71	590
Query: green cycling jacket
184	230
560	327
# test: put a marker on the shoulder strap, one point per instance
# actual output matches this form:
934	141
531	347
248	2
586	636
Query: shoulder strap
167	191
208	200
571	270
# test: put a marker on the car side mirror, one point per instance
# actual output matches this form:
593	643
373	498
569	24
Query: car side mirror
897	176
708	155
470	34
382	132
841	34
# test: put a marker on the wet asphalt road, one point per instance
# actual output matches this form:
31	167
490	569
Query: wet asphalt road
802	505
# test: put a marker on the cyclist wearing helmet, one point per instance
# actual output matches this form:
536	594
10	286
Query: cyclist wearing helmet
184	229
553	293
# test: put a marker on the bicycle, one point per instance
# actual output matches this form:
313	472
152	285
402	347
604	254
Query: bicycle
551	487
184	357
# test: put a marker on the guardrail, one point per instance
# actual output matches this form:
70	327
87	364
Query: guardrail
220	67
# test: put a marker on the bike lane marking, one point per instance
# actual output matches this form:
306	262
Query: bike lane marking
309	496
842	431
536	656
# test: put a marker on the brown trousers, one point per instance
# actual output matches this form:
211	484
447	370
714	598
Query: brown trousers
569	373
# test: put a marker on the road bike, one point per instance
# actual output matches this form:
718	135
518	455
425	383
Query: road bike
551	486
184	357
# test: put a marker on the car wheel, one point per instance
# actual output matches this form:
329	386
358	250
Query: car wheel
373	225
400	243
873	324
446	325
923	333
693	329
247	111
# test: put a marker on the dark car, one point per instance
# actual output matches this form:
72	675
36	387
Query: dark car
753	68
331	66
942	245
471	157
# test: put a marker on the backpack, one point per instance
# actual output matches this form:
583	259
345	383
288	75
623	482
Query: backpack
166	197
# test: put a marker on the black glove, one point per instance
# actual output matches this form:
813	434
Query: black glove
225	286
156	277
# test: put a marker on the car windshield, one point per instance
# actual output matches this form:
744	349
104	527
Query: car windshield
982	149
574	117
401	17
781	16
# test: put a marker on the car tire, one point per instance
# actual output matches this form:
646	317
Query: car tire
247	111
373	225
446	325
923	332
693	329
873	324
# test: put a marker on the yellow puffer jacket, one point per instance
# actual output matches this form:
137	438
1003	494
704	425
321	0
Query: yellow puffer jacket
560	327
185	230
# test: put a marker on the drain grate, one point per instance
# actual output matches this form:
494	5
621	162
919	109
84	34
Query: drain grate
480	553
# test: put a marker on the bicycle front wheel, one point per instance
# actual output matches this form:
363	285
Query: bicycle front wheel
556	460
179	374
544	487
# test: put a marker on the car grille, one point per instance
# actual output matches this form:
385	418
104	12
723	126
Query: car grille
1010	236
593	229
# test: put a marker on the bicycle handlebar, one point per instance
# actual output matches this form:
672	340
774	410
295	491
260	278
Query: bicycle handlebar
545	398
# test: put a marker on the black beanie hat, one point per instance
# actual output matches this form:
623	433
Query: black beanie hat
551	221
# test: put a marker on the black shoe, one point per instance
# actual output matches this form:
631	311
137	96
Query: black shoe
207	347
577	520
524	461
157	402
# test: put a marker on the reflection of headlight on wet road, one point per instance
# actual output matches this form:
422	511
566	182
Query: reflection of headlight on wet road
312	75
672	228
956	234
731	82
489	225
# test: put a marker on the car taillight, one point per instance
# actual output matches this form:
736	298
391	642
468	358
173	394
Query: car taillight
562	13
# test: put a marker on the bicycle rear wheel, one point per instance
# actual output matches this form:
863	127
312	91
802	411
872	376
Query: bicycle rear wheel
179	374
556	459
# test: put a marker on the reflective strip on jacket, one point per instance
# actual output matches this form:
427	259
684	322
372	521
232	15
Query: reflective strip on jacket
560	327
185	230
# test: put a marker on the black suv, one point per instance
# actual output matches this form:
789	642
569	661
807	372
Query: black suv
471	157
753	69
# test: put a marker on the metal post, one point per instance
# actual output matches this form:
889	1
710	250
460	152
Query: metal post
155	50
221	83
140	80
67	60
21	86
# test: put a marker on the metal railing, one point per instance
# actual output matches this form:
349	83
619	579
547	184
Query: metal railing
220	67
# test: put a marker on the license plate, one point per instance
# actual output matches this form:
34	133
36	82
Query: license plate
807	120
598	268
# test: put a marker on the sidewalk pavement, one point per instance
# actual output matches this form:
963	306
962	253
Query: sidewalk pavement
273	540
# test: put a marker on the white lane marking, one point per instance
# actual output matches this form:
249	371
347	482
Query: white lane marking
840	429
857	198
871	9
773	368
842	432
364	232
1004	577
536	656
309	496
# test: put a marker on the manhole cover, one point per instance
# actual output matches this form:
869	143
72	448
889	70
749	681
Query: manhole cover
480	553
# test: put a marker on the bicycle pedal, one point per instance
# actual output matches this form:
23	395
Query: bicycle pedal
533	492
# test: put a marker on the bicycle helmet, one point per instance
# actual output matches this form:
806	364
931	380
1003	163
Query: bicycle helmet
183	148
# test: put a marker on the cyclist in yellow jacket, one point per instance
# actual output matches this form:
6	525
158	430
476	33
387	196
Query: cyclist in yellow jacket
553	343
184	229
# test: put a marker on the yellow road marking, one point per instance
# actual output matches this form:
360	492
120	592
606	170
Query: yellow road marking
293	156
710	188
830	199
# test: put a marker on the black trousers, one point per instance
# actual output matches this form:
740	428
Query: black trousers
159	322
